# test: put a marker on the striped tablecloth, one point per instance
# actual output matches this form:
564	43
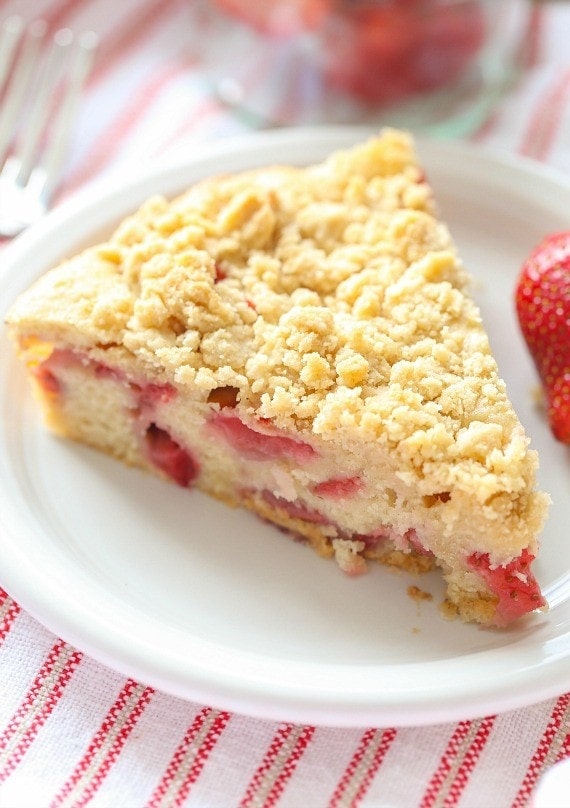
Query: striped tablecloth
75	733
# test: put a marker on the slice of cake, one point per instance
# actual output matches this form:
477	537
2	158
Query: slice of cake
300	341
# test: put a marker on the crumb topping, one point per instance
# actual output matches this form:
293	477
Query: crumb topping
330	298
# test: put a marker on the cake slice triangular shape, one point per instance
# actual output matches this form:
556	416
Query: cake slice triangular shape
301	342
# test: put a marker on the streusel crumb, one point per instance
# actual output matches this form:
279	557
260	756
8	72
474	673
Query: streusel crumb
308	290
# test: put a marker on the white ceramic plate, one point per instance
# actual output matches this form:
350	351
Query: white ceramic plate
209	604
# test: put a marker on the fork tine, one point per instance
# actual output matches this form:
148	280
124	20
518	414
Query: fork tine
19	82
39	113
49	173
28	179
9	38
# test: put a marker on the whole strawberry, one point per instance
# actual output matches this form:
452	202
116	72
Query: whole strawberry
543	308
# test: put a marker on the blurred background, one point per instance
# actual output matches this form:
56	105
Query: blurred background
424	64
171	74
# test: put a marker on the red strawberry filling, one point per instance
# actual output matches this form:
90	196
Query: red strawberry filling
259	445
219	275
295	509
161	449
105	372
46	373
338	488
416	545
167	455
148	397
47	379
514	585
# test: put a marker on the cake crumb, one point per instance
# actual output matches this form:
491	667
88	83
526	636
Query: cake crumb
448	610
418	594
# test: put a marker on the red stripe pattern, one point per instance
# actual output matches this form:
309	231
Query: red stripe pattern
277	767
126	38
9	610
359	774
37	705
60	14
189	759
457	763
553	746
546	119
532	52
120	127
104	749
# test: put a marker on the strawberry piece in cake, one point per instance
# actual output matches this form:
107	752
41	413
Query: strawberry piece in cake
513	584
167	455
301	342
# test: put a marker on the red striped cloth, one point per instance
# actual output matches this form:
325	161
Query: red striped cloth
72	732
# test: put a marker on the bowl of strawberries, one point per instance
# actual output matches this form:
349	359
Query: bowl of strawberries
422	64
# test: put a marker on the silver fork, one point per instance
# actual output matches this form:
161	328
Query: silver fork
40	93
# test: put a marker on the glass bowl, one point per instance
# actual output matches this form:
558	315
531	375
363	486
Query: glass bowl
437	65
